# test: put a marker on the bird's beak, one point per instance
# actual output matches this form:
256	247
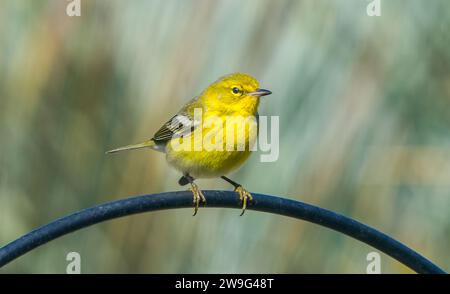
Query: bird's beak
260	92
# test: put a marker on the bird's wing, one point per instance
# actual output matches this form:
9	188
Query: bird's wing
180	125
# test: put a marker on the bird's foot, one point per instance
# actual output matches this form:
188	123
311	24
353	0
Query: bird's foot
244	196
198	197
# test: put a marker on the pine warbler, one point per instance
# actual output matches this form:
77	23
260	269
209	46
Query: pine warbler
212	134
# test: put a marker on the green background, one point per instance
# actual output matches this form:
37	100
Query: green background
364	107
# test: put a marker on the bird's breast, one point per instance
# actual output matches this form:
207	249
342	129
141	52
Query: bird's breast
219	145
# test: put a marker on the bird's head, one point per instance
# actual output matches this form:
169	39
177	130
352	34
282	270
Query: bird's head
236	91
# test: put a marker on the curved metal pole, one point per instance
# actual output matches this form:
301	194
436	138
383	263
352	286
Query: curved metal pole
227	199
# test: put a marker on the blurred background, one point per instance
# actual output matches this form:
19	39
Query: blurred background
364	107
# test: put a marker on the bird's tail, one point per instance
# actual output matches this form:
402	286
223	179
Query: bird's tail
145	144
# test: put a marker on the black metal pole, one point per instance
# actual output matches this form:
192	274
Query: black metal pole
227	199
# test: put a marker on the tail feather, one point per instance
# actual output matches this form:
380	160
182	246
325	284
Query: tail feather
145	144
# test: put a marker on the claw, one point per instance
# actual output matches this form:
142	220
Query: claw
244	196
198	197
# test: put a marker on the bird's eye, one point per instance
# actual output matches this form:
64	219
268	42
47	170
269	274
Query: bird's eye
236	90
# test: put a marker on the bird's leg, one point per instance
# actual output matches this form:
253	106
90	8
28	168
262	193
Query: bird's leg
183	181
198	195
244	195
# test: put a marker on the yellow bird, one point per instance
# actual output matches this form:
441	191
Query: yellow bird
203	140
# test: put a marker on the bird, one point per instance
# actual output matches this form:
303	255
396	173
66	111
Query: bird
207	119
